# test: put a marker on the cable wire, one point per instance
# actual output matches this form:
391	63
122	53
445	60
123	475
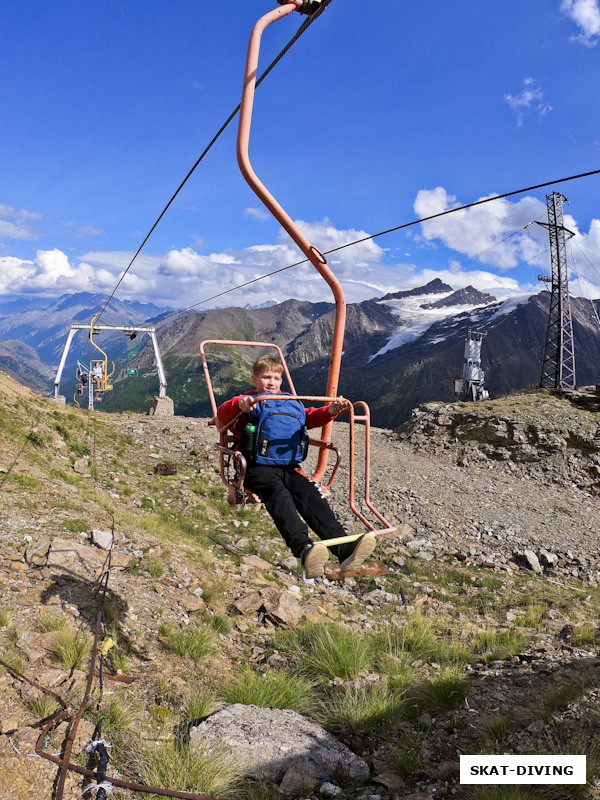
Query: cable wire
583	283
384	233
305	25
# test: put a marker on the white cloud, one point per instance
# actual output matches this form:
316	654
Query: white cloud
583	256
482	232
14	223
49	273
87	230
257	213
586	15
185	277
531	98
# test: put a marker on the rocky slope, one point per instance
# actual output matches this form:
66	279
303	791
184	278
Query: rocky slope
477	624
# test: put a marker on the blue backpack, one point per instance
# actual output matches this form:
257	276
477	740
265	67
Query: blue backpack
280	438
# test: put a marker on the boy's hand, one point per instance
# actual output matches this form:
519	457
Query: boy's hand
245	403
339	404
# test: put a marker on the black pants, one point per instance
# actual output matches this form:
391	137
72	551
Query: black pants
288	493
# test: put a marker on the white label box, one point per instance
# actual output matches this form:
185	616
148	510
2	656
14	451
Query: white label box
522	769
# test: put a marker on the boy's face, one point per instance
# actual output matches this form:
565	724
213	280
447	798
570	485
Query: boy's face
268	382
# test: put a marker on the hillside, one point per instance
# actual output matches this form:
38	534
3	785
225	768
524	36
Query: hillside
475	629
400	350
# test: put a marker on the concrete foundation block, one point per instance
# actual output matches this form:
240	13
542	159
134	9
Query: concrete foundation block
162	407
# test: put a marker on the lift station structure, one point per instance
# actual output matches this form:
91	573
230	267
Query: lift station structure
128	330
471	385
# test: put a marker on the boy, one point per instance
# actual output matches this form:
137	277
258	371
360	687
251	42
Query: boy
290	497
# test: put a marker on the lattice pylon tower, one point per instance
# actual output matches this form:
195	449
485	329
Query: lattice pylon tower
558	364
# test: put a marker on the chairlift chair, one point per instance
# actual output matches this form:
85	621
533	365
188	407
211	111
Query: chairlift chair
131	371
105	385
232	462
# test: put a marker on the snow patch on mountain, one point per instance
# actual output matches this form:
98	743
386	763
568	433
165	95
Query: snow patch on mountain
416	320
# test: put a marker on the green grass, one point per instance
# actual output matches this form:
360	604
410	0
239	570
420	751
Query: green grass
442	692
218	622
558	696
120	661
71	648
200	704
79	450
43	706
4	618
365	709
584	635
196	641
261	790
75	525
418	638
272	689
118	717
333	651
53	622
14	660
495	645
22	480
150	565
497	725
35	438
406	759
177	767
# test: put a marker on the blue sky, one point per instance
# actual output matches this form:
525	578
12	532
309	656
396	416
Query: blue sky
382	112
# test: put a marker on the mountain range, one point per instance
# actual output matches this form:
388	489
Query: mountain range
400	350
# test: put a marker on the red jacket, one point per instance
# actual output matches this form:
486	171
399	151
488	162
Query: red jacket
315	417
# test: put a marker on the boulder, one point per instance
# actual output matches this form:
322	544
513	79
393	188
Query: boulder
37	553
271	742
81	466
102	539
296	782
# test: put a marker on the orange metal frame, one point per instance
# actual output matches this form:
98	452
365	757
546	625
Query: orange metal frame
318	260
236	490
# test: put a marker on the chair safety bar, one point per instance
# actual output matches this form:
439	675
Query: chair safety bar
226	440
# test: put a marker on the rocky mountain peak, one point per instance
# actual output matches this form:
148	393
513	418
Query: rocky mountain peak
435	286
469	296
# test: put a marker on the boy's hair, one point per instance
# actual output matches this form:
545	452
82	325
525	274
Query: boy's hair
267	364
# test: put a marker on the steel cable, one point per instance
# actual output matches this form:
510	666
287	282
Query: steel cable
384	233
305	25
